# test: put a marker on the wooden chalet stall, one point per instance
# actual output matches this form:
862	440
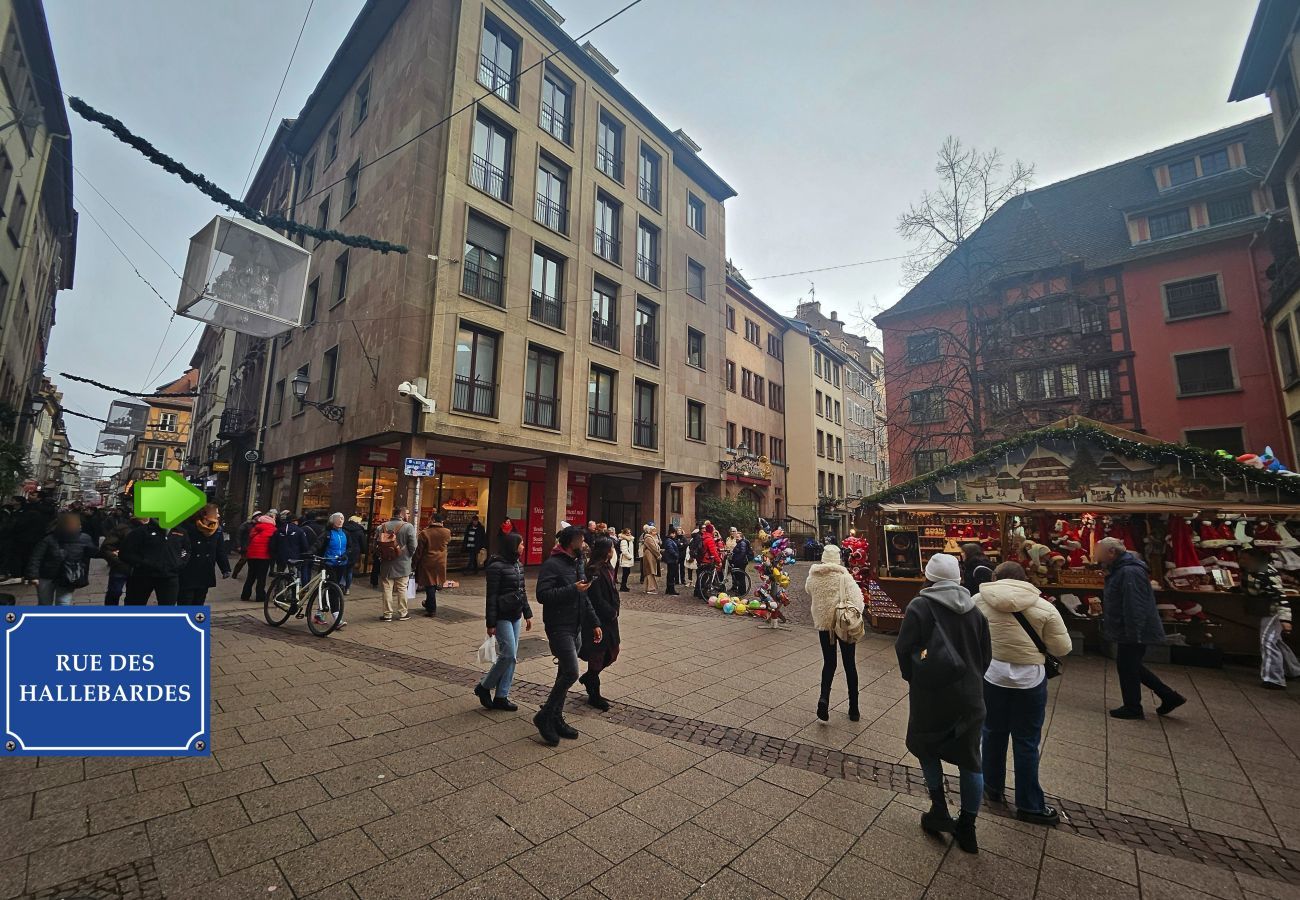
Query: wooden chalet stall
1045	497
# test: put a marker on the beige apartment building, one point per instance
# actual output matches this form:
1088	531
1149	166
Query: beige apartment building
165	440
755	406
561	306
816	479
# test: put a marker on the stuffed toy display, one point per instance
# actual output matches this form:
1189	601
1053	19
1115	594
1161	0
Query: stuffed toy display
770	596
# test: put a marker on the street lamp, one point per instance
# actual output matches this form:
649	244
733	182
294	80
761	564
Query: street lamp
742	463
300	384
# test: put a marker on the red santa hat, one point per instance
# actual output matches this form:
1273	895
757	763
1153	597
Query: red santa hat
1181	558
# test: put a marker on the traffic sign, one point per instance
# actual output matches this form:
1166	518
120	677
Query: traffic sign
420	468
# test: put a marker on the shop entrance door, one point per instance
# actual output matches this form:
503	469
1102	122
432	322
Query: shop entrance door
620	515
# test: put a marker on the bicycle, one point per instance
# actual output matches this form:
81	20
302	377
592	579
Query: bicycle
707	580
320	600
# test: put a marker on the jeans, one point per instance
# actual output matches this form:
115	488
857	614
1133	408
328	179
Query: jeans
1133	676
164	587
503	670
1015	713
257	569
849	652
564	647
343	574
972	784
394	593
431	598
116	584
50	594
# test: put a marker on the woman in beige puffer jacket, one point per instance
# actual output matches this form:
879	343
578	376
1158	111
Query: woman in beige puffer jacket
1015	687
830	585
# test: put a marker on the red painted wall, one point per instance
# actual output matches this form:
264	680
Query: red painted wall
1257	405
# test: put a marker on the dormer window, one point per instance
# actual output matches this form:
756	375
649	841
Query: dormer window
1173	222
1201	166
1214	163
1182	172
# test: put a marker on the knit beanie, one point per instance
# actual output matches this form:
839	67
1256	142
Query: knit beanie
943	567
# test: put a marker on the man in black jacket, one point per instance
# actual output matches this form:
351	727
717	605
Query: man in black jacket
156	557
565	609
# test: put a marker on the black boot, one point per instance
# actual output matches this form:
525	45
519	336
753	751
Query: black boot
592	684
854	715
824	708
563	728
546	727
964	833
937	821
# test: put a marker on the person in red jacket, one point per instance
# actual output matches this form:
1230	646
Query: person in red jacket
258	556
711	556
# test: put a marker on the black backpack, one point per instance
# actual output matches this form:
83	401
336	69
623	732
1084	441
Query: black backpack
696	546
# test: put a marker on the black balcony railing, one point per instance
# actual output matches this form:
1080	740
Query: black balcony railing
489	179
648	192
547	310
1286	279
647	269
541	411
647	347
482	283
604	332
496	79
600	424
609	163
645	433
607	246
236	423
554	122
474	395
552	215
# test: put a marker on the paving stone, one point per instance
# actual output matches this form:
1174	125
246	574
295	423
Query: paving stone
227	784
264	880
290	796
691	849
698	785
252	844
995	873
790	875
413	827
1154	888
661	808
113	814
1068	881
616	834
1213	881
98	852
740	824
636	775
482	801
81	794
195	824
352	852
767	798
419	874
471	770
916	858
645	877
1095	856
47	831
344	814
533	781
184	868
502	881
560	866
853	878
485	845
350	779
592	795
731	885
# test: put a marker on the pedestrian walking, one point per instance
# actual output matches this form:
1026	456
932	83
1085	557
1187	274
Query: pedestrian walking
626	550
335	546
836	606
207	551
245	529
60	561
691	563
671	555
376	564
507	605
976	568
1015	686
358	543
156	556
650	554
431	562
943	650
604	598
475	542
291	547
118	571
257	558
1129	618
396	546
562	591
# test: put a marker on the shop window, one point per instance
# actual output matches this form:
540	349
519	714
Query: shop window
1229	439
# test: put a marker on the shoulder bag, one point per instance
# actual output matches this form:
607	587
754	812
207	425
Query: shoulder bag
1051	664
937	664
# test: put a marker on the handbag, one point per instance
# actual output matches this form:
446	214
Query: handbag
1051	665
937	664
73	574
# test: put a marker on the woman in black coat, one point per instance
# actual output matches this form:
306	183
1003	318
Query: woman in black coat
946	707
207	549
604	600
507	601
672	559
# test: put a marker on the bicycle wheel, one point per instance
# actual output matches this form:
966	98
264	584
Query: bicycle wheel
325	609
705	580
280	602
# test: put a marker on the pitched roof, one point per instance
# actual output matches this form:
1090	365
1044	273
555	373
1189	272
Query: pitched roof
1081	219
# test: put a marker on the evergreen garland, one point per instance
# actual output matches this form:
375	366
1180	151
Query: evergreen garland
158	158
1204	461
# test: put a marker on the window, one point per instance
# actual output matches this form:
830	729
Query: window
323	217
1182	172
498	60
1048	384
310	303
6	176
340	279
557	105
819	404
600	404
817	363
604	314
1284	92
647	252
1286	353
695	212
483	267
759	392
839	481
1092	317
837	413
835	375
1205	372
731	435
775	347
277	402
16	216
645	331
474	386
777	452
647	183
695	279
330	374
746	383
1215	162
1230	439
746	438
552	194
541	388
352	183
821	483
753	333
644	420
332	143
361	104
1040	318
924	461
731	318
695	421
927	406
675	500
731	376
155	458
821	442
608	214
547	304
776	396
166	422
1191	298
1175	221
489	168
304	372
922	347
609	146
1230	209
1099	387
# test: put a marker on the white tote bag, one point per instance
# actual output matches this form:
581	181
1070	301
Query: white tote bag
487	651
410	588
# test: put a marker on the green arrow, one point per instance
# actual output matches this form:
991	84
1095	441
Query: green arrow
171	499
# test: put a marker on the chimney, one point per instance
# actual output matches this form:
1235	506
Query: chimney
599	58
834	316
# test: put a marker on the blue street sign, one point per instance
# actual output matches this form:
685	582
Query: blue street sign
422	468
106	681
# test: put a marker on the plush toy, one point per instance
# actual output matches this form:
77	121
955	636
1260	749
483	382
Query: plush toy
1034	557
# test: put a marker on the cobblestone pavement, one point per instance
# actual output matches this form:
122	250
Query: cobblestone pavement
360	766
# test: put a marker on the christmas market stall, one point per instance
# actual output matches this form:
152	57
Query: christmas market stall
1221	534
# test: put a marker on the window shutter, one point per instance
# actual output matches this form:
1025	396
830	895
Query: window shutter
486	234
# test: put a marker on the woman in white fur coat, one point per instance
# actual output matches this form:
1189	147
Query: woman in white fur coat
837	615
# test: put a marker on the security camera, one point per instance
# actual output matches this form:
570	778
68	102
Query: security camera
410	391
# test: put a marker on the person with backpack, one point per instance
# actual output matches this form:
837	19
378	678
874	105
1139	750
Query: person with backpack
207	549
431	562
60	562
395	544
257	555
156	556
694	547
603	595
241	542
335	546
837	615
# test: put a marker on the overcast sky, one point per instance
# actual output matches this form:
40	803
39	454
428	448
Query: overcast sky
824	115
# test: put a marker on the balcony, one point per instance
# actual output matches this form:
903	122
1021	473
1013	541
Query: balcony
554	123
647	269
474	395
481	283
496	79
645	434
547	309
1286	279
604	332
607	246
552	215
608	162
647	347
600	424
648	192
489	179
544	412
236	423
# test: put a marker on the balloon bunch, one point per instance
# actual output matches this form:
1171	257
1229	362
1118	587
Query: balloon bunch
770	596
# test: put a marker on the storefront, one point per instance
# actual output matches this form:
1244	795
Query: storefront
376	484
315	484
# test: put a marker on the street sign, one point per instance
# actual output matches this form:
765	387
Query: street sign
420	468
221	465
106	681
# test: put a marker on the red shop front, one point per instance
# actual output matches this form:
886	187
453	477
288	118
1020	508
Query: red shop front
526	508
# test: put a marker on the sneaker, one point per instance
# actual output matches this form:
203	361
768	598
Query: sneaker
386	617
1049	816
342	625
318	618
404	616
1125	712
1170	705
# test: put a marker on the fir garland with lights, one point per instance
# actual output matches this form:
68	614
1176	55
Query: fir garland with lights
270	220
